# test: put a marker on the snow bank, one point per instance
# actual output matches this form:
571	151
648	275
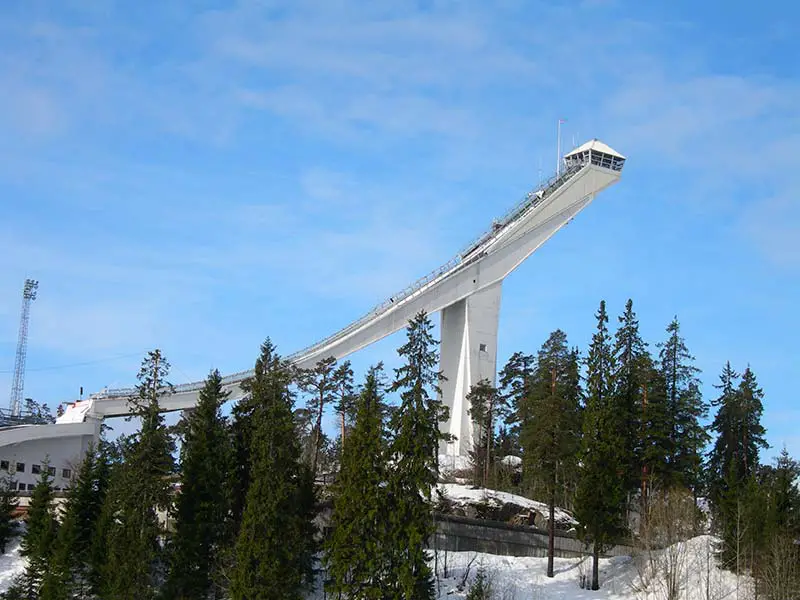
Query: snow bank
11	564
463	494
621	578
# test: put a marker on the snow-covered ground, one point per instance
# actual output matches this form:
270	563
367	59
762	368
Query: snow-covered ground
465	494
621	578
11	564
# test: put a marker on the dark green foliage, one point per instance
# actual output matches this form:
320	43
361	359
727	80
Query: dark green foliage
601	490
481	588
740	436
202	506
135	560
8	504
631	378
514	386
485	407
345	398
782	480
275	544
685	409
38	541
356	551
321	385
70	567
413	451
551	432
655	438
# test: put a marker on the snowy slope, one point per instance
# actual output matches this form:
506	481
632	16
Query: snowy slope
621	578
464	494
11	564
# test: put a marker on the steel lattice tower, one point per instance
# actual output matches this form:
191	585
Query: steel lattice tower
28	296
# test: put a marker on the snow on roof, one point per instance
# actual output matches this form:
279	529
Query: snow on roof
75	413
596	145
464	494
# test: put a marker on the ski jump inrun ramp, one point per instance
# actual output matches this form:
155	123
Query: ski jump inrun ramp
466	290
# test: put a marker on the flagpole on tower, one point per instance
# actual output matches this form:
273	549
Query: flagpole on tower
558	164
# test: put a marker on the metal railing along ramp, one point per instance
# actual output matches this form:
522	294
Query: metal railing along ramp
504	231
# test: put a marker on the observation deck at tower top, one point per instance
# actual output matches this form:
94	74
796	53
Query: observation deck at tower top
515	223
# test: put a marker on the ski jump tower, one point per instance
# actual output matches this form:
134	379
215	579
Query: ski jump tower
466	290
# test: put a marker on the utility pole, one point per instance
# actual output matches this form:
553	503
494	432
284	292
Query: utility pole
17	387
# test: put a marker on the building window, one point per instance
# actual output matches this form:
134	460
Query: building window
36	469
4	465
66	473
22	487
482	347
51	471
20	467
31	487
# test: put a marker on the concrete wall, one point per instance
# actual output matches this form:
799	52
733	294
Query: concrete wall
461	534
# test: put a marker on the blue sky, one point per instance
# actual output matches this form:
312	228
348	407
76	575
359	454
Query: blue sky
199	175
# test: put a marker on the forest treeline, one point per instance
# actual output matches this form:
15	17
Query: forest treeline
614	433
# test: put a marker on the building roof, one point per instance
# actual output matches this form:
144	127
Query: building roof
597	145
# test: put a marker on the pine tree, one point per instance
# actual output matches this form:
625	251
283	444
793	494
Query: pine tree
203	505
551	436
275	545
723	456
413	451
485	409
8	507
481	588
514	388
40	536
135	562
69	573
631	379
785	493
346	398
320	383
108	468
357	569
601	491
685	409
655	438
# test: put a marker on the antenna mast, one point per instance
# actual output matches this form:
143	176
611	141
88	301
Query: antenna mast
28	296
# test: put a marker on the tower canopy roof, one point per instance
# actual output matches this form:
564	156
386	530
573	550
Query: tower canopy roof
597	146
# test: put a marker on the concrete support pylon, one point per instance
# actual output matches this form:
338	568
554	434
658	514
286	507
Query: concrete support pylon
468	354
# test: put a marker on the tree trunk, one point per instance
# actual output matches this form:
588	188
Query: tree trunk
489	428
317	434
595	566
551	533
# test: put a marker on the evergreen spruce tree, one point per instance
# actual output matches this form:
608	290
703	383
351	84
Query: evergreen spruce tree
108	467
203	505
356	551
69	573
723	455
601	491
413	452
514	386
485	408
685	409
8	507
321	385
552	435
785	494
275	544
134	566
38	541
631	380
655	441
